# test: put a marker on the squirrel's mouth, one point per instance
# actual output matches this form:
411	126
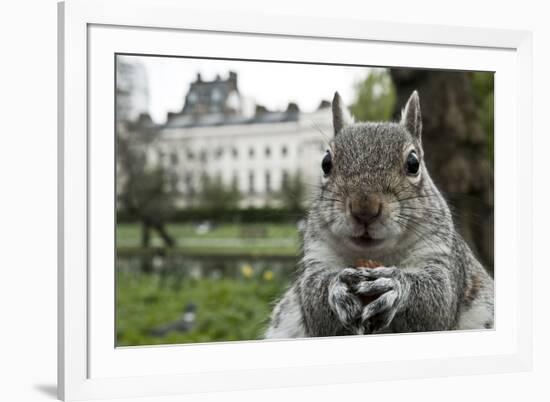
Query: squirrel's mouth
365	240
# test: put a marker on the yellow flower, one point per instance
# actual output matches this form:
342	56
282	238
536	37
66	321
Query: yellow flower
247	270
268	275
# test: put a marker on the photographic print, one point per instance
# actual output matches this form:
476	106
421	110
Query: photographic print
269	200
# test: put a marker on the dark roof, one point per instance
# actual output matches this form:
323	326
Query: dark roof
206	97
220	119
206	104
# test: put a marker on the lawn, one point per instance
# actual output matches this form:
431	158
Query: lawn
232	273
224	239
227	309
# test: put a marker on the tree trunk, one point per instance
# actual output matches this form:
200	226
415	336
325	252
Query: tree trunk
168	240
145	234
456	150
148	225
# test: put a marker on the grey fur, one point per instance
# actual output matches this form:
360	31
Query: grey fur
430	279
340	115
411	117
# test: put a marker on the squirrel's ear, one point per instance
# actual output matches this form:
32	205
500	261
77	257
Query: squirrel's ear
411	117
340	114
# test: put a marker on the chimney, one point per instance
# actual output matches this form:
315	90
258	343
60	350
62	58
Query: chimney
260	109
324	104
292	108
233	79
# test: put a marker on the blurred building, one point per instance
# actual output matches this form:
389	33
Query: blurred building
132	90
213	138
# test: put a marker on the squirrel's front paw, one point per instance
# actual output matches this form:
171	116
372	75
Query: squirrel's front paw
387	289
342	300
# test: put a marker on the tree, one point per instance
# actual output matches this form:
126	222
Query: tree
483	85
216	196
375	97
293	192
145	193
457	137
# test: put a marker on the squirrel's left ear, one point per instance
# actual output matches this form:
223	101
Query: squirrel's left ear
411	117
340	114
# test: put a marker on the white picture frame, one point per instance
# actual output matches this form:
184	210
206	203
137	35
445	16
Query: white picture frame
92	32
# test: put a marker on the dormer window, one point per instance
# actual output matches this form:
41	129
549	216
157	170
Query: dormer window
192	98
216	96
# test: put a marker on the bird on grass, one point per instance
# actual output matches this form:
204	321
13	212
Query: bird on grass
185	323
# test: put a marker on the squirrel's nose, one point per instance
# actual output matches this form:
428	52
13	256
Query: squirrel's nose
365	209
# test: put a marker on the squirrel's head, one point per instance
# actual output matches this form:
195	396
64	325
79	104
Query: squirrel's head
374	177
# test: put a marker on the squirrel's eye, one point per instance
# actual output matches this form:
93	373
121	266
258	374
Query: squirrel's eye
412	164
326	164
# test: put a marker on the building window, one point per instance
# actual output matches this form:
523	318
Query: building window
267	182
203	155
205	180
235	153
284	180
284	150
219	152
251	182
190	155
267	152
192	98
251	152
174	159
235	182
189	183
217	96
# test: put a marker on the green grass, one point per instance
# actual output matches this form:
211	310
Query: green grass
227	309
224	239
248	251
233	307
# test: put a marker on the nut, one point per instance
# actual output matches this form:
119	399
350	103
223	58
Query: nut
363	263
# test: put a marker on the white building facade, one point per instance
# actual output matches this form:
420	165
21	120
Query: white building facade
214	138
132	97
253	157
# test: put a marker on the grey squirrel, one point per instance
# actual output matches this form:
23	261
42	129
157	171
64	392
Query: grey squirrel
378	202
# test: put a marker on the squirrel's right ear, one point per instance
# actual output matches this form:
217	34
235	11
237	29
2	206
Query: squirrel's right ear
411	117
340	114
